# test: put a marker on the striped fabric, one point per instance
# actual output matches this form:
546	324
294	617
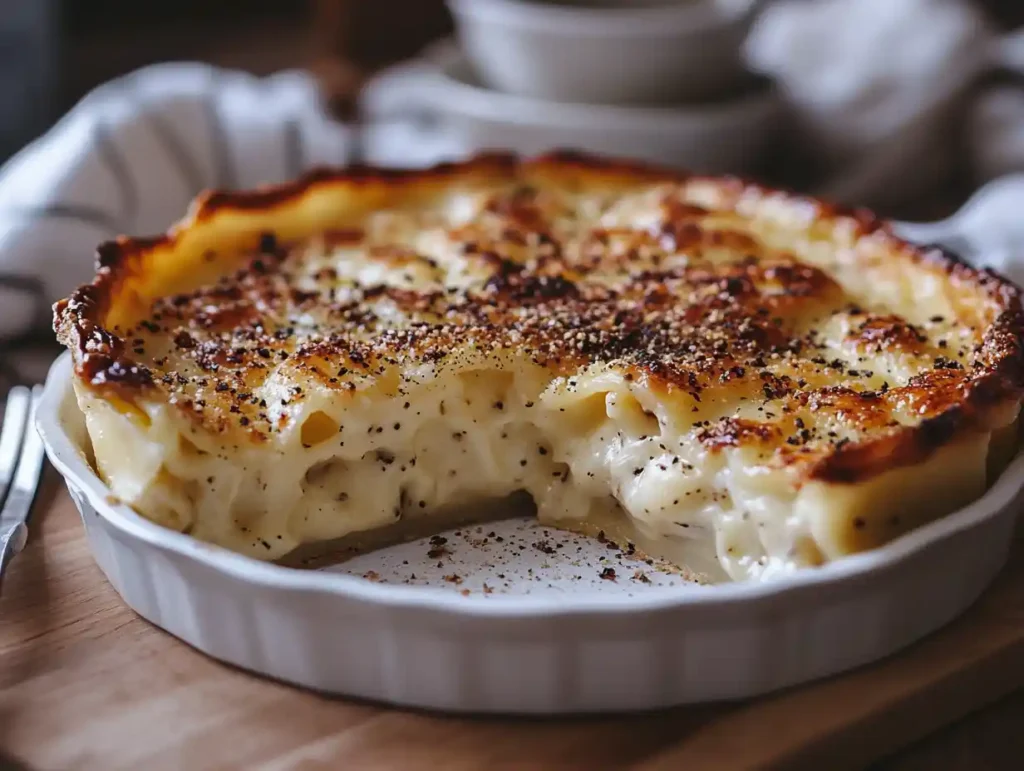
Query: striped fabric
130	157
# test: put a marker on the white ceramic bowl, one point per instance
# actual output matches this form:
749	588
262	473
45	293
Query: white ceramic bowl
650	52
726	137
551	650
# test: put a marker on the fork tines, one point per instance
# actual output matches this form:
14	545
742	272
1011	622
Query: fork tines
21	465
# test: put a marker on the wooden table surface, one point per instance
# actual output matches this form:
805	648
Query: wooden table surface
85	683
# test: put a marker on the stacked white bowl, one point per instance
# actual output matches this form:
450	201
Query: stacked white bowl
655	80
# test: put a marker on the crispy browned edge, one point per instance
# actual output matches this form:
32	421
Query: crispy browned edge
101	362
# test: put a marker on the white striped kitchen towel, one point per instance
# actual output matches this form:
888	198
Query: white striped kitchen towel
129	158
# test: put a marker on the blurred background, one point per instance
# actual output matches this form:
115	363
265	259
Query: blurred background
890	103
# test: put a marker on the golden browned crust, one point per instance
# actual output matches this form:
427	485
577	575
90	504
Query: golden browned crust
683	328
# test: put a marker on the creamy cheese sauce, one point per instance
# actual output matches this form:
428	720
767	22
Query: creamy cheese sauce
379	461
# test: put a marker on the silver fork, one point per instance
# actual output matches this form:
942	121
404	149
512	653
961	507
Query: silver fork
21	467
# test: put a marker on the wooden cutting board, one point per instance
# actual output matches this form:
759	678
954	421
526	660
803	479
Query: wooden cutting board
85	683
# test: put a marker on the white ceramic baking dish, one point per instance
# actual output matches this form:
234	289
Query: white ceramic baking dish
548	651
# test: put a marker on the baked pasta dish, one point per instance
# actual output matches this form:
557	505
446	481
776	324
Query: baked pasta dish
739	380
